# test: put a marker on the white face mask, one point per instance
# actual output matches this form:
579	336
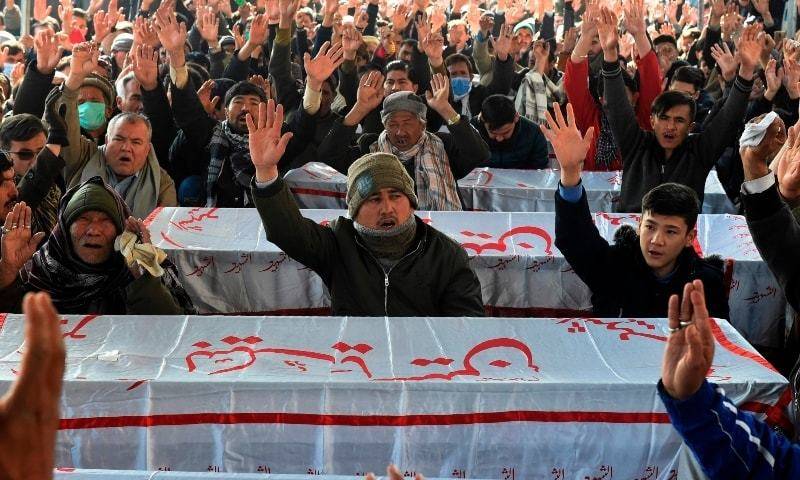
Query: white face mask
8	68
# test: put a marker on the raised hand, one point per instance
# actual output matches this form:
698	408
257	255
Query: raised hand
65	14
29	415
486	24
323	65
401	17
171	33
749	50
726	61
370	92
47	51
351	41
609	36
145	66
568	144
208	25
503	42
788	171
19	242
792	77
83	62
267	144
570	40
690	347
634	20
41	10
774	77
263	83
433	46
287	10
102	25
258	30
439	96
438	18
144	33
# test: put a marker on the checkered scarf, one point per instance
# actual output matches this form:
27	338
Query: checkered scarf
534	96
227	145
436	185
606	150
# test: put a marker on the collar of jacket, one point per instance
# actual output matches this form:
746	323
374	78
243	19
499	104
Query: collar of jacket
420	237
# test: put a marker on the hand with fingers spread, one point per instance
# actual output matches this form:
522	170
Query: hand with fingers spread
609	35
171	33
145	66
502	44
791	77
102	26
433	46
774	77
287	11
204	93
47	51
486	24
393	473
690	346
726	61
18	242
401	17
717	11
438	97
29	412
144	33
65	15
749	50
351	41
568	144
83	62
267	144
208	25
323	65
368	97
258	36
570	40
262	83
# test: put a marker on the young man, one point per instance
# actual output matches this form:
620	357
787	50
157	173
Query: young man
669	153
513	140
635	276
383	260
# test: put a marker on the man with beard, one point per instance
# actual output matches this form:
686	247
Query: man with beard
514	141
434	160
383	260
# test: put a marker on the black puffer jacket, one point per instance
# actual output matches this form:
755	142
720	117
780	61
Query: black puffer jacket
622	284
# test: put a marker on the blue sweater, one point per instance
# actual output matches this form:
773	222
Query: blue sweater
730	444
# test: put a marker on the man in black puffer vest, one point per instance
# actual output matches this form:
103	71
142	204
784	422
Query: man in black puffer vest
636	276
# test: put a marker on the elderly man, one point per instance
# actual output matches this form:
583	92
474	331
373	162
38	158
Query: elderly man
383	260
126	162
434	160
78	265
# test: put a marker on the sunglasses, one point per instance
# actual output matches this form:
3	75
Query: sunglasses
26	154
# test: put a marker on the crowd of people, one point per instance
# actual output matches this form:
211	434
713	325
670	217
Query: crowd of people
115	108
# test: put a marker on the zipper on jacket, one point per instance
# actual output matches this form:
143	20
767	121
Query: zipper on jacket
386	274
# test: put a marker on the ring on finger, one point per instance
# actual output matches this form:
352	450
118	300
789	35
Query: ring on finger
4	230
675	330
686	324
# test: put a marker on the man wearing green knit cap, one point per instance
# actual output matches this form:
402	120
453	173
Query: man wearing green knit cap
383	260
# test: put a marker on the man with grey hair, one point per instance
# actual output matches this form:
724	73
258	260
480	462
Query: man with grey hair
126	162
129	94
434	160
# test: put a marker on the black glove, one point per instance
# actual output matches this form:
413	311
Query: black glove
54	112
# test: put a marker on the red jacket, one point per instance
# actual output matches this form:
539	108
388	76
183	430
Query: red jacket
587	113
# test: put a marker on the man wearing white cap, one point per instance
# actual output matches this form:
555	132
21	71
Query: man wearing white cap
383	260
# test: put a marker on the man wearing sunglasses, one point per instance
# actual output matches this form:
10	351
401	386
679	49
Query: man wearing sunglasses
37	171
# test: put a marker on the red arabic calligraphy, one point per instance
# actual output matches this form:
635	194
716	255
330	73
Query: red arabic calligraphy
500	244
200	269
626	327
196	216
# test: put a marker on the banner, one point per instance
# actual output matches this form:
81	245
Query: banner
228	266
547	398
316	185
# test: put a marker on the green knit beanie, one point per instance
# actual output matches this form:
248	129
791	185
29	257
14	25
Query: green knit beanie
92	197
373	172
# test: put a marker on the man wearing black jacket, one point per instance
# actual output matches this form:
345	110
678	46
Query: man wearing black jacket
636	276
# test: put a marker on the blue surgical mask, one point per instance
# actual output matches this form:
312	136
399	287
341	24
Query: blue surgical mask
460	86
8	68
92	115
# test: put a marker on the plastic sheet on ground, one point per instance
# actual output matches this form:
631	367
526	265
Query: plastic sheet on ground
450	397
228	265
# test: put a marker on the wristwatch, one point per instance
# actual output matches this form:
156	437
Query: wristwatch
454	119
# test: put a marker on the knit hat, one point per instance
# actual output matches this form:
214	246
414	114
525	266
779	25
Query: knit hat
227	40
92	196
403	102
373	172
529	24
109	92
122	43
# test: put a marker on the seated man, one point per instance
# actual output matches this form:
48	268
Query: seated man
514	141
37	169
434	160
126	162
634	277
728	443
383	260
670	153
78	265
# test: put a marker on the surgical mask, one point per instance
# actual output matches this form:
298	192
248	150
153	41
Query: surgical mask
460	86
92	115
8	68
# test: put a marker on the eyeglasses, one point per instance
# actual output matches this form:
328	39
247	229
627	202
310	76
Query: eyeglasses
26	154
